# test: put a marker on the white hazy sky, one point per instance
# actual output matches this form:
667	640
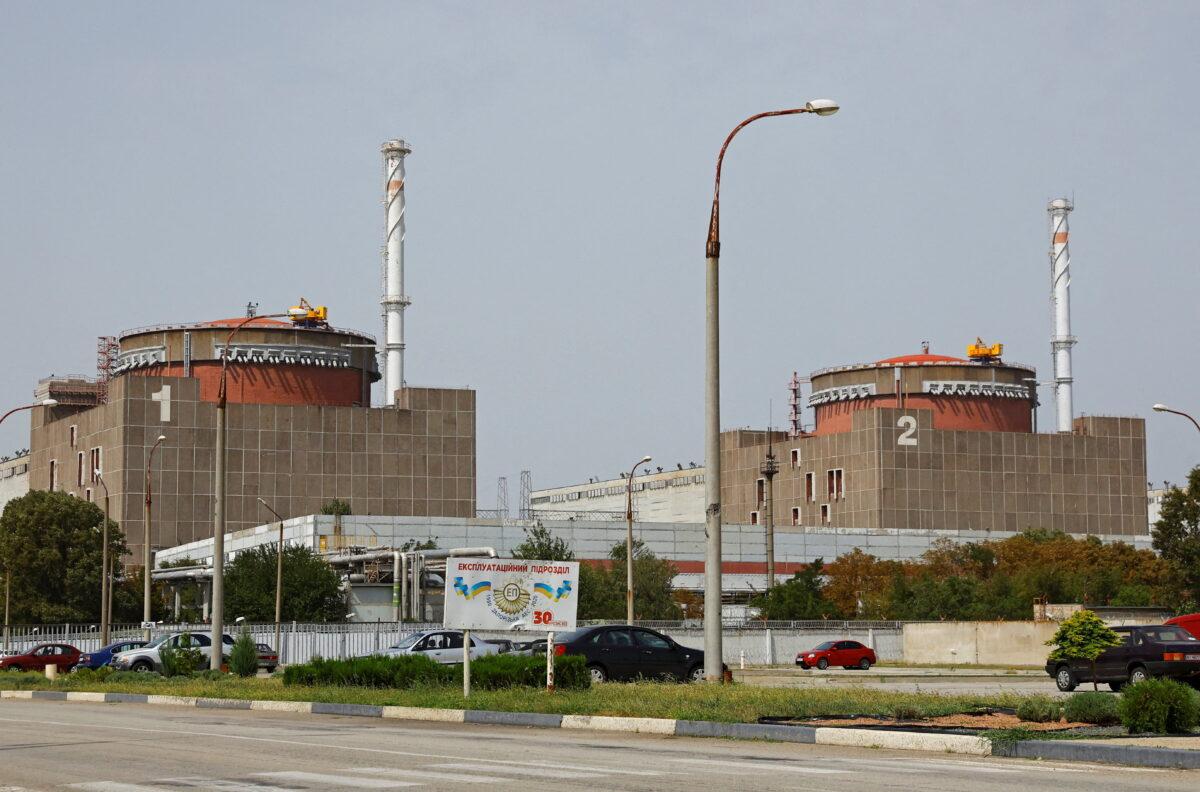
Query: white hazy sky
165	162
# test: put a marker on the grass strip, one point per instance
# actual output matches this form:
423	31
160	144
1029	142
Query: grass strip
726	704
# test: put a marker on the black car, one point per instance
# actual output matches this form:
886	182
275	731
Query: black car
622	652
1157	650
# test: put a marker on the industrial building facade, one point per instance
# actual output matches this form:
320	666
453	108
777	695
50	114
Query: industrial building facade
300	432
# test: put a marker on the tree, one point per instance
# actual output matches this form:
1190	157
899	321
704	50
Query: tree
541	545
1082	636
311	588
797	599
602	590
412	544
1177	533
51	544
336	507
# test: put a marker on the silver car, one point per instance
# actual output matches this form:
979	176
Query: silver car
442	646
148	658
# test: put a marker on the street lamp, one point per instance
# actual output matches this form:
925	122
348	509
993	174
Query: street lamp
105	577
629	539
278	574
146	548
218	566
712	404
1166	409
7	571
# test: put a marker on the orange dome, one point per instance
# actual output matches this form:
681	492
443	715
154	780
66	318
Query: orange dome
258	321
920	357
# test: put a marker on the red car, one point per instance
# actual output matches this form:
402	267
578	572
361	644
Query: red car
1190	622
64	656
847	654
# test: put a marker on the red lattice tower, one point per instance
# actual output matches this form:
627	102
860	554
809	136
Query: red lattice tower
107	350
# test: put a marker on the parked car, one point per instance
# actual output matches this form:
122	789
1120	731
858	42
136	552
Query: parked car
64	656
268	658
1159	650
619	652
1190	622
847	654
503	645
102	657
443	646
148	657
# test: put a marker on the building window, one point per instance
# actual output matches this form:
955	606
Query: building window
795	458
74	434
760	492
810	488
825	514
795	515
53	475
79	472
754	518
88	493
835	482
96	471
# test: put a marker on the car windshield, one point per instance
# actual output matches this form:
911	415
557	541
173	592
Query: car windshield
157	641
1167	634
408	640
824	646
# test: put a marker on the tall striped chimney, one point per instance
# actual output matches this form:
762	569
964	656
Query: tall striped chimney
394	301
1061	340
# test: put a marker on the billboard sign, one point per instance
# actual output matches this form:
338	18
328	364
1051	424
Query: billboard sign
511	594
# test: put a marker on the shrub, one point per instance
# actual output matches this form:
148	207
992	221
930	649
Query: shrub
181	660
243	658
135	676
904	712
1160	706
504	671
402	671
85	675
1097	708
209	675
1038	709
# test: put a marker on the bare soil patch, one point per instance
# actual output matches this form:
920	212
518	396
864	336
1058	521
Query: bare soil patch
982	721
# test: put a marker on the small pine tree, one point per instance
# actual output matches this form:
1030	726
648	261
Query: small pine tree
1082	636
243	658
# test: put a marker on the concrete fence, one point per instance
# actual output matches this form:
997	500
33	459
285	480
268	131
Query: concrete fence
977	643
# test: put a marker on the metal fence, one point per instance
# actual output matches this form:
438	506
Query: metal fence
755	643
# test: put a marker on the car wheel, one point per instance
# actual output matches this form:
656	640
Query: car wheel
1138	674
865	664
142	666
696	674
270	669
803	666
1116	687
598	673
1065	679
822	664
15	667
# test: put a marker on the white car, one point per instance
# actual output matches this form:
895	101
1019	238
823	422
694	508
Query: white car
442	646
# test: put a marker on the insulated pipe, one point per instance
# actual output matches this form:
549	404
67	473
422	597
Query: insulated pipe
1060	302
394	300
397	584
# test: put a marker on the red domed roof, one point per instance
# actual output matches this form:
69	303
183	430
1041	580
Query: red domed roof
920	357
258	321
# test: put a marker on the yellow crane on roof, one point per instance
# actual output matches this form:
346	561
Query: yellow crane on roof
984	352
305	315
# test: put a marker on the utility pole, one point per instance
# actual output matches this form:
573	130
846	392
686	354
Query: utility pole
147	563
105	578
279	575
629	540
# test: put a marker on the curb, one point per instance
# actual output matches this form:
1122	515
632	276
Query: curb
1091	752
1065	750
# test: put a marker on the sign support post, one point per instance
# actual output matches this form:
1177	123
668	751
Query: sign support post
466	664
550	662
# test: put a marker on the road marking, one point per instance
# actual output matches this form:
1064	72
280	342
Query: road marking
338	782
224	783
536	772
431	775
115	786
767	766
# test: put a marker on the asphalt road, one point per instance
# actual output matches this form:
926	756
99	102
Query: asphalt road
139	748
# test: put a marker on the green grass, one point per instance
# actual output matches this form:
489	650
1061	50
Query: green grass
730	703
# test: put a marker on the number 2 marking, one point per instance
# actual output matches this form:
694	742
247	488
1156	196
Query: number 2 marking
909	436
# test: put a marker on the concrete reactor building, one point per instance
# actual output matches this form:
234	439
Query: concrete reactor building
300	427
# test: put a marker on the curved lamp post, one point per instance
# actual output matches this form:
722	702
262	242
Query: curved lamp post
1166	409
146	562
7	571
218	565
278	576
712	403
629	539
105	572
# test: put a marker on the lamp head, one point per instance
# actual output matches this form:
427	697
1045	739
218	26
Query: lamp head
1161	408
645	459
49	402
239	620
822	107
161	438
